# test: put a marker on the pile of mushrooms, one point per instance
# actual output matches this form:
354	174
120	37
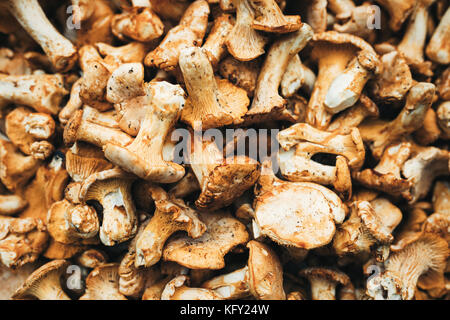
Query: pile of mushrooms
117	182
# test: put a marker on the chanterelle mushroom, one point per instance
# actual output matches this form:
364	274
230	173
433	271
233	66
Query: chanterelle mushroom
223	233
308	222
301	142
333	51
22	240
170	216
212	102
243	42
112	189
438	49
144	156
267	103
261	277
44	283
324	282
221	180
103	284
379	134
363	230
177	289
42	92
30	15
424	258
31	132
189	33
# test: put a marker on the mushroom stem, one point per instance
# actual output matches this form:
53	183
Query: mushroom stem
346	88
413	41
243	42
230	286
341	8
438	48
266	98
30	15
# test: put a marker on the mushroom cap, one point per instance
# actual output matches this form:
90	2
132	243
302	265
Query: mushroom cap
373	222
92	258
331	41
265	273
81	165
54	268
103	283
331	275
299	214
227	181
223	233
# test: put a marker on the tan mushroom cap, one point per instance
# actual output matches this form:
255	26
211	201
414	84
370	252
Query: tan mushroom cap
92	258
58	250
441	197
299	214
242	74
103	283
138	23
11	204
44	283
265	273
223	233
226	182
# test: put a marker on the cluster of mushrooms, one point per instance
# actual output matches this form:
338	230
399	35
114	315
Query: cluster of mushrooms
352	204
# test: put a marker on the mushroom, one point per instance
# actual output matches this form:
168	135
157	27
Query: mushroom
31	17
423	167
301	142
30	132
112	189
188	33
443	119
73	104
443	84
42	92
143	156
243	42
424	258
15	168
342	9
212	102
170	216
316	15
102	283
358	22
346	88
413	42
399	11
441	197
333	51
11	204
81	127
353	116
411	228
214	45
394	79
363	230
68	223
438	48
261	278
308	222
22	240
138	23
187	185
270	18
169	9
324	282
223	233
267	103
128	53
44	283
92	258
379	134
221	180
430	131
386	175
177	289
